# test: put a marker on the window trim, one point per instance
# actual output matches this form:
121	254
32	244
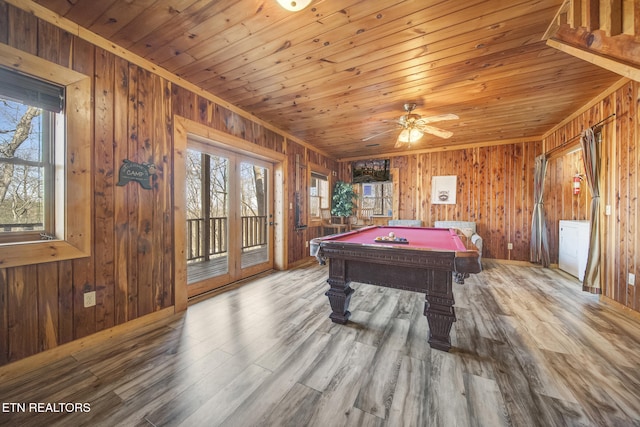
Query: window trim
318	170
73	178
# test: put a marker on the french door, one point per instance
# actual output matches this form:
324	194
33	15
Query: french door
229	216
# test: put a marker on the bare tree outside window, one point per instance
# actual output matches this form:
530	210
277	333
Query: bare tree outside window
377	198
23	163
207	210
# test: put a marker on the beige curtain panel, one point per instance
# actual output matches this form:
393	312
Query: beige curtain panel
591	157
539	246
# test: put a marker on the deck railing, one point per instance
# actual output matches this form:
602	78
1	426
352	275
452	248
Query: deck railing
207	238
254	231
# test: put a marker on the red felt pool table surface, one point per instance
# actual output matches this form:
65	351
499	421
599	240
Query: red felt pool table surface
442	239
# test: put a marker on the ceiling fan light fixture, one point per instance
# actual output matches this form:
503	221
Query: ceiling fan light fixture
294	5
409	135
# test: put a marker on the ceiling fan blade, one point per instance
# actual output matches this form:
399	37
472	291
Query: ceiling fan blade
377	135
400	143
438	118
436	131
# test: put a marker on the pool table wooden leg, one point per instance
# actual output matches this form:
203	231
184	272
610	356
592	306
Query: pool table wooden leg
340	292
439	310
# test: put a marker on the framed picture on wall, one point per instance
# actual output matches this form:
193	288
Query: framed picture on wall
371	171
443	190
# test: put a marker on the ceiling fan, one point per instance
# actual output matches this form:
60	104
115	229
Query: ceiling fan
414	126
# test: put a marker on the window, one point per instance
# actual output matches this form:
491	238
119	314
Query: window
318	194
29	111
54	155
376	199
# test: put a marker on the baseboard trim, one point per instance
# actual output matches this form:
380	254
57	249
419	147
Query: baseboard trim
31	363
511	262
620	307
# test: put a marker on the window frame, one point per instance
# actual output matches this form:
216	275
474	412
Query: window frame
72	164
318	170
390	199
49	122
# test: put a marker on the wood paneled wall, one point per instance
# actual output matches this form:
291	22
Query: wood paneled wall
495	190
620	165
41	306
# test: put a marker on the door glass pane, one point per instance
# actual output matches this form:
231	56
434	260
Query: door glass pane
207	195
254	214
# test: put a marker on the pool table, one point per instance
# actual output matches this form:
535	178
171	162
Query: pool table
415	259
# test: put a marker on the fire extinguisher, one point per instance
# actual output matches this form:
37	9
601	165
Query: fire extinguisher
576	184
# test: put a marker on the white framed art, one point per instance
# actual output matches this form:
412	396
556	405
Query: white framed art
443	190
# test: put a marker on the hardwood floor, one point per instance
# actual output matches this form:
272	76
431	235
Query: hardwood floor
529	349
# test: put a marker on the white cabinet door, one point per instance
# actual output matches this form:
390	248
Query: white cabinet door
573	247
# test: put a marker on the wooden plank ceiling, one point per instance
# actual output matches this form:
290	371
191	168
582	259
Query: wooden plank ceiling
341	70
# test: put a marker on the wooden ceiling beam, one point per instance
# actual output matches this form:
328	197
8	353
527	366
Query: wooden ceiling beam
625	70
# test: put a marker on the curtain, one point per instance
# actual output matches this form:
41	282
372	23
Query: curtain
591	282
539	246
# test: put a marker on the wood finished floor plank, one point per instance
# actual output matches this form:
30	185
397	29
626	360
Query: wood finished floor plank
367	298
484	310
319	375
270	393
591	396
141	399
532	361
564	413
408	405
484	402
295	408
406	305
359	418
294	335
20	387
336	401
418	337
522	408
374	327
446	398
182	395
529	349
215	410
473	349
376	393
184	370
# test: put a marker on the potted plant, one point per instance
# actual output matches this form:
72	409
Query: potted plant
343	199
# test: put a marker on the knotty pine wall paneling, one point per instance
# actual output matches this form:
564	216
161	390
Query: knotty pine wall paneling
131	262
627	129
83	268
620	169
297	182
104	191
494	189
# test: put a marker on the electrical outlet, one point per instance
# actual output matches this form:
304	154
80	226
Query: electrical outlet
632	279
89	299
509	246
306	244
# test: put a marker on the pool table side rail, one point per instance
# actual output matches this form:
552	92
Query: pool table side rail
398	255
